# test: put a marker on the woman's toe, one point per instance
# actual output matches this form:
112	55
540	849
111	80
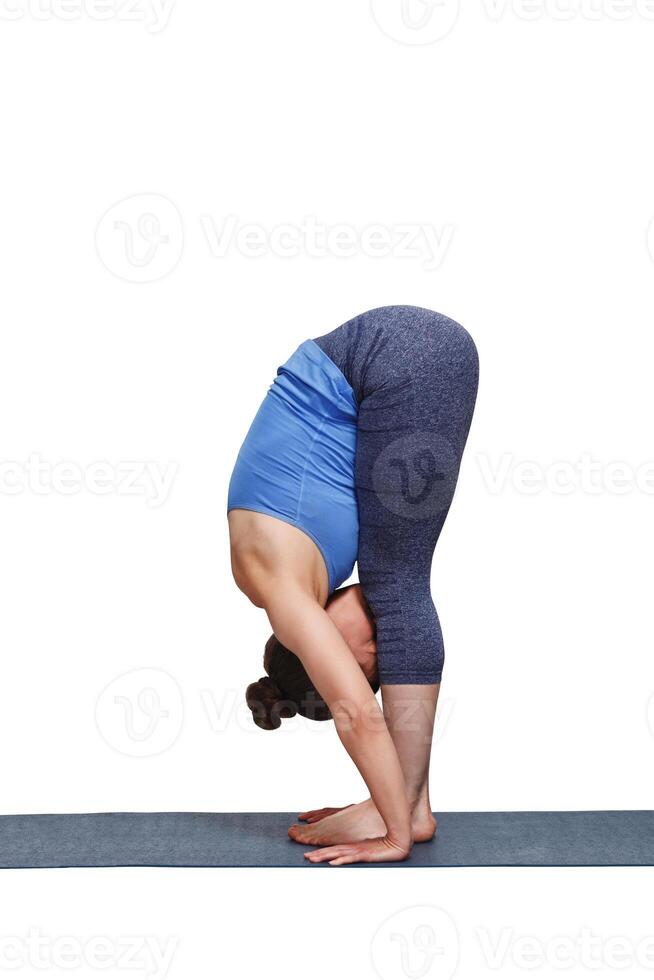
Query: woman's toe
298	833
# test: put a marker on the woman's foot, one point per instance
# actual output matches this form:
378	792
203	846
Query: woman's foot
312	816
356	823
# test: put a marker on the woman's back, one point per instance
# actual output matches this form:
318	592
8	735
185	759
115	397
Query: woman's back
265	550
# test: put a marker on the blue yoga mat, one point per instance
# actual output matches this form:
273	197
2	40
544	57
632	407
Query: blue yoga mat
256	840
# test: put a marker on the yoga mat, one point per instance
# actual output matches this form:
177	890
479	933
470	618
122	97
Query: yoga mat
256	840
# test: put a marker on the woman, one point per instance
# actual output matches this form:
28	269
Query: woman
354	455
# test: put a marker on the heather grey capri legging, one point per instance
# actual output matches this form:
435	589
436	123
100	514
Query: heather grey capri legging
414	373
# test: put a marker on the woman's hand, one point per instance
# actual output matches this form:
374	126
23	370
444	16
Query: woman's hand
366	851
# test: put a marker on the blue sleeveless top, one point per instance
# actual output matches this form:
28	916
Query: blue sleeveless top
297	461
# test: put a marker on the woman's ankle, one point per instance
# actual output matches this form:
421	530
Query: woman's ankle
419	801
423	824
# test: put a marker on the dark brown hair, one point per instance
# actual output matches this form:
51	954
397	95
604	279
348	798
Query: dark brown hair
285	692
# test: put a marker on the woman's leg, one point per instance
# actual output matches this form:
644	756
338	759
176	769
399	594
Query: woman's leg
409	710
394	568
411	433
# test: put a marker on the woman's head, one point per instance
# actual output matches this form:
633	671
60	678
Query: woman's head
287	690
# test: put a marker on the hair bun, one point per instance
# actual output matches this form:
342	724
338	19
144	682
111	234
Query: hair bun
267	703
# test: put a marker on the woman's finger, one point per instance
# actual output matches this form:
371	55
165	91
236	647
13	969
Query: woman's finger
352	854
326	853
346	859
322	854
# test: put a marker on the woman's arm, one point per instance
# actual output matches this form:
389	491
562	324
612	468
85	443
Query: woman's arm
303	626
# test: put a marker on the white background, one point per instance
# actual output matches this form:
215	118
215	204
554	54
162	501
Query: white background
190	191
